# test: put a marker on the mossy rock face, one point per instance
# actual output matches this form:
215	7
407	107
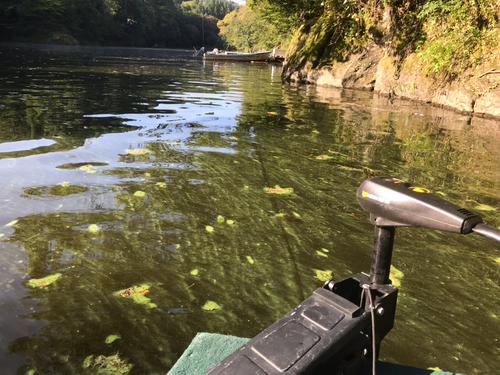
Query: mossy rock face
318	54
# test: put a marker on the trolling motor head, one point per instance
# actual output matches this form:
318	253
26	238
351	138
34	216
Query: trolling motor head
396	203
393	203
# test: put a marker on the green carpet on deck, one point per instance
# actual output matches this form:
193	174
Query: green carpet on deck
208	349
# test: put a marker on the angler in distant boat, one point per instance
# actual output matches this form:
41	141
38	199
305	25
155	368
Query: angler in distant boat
201	52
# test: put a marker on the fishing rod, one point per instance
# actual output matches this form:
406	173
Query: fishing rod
340	327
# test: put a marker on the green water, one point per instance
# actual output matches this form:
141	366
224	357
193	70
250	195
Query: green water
140	185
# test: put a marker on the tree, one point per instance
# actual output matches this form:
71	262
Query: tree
243	29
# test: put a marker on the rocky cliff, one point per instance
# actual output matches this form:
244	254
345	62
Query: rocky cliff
374	66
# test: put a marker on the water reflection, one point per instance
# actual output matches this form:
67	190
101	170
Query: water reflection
158	178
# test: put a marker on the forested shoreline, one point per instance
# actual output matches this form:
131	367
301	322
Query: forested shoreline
448	35
126	23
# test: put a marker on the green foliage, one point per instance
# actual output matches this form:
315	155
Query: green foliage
243	29
143	23
215	8
275	13
460	34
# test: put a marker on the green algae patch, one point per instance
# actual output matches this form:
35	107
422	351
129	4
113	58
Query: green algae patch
107	365
209	228
139	193
323	275
220	219
211	306
36	283
396	276
194	272
278	190
250	260
230	222
137	294
112	338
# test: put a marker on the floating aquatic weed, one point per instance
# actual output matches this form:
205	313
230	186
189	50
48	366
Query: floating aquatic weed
35	283
107	365
209	228
350	168
62	189
140	193
136	293
220	219
211	306
86	167
396	276
230	222
323	275
320	253
112	338
94	228
250	260
194	272
137	151
485	207
78	165
13	222
278	190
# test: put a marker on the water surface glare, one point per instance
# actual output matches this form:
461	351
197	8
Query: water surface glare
139	186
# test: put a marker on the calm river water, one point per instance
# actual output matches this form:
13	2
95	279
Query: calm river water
140	206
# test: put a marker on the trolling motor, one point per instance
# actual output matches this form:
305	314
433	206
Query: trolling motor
342	324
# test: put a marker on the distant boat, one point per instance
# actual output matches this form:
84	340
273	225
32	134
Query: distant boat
236	56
